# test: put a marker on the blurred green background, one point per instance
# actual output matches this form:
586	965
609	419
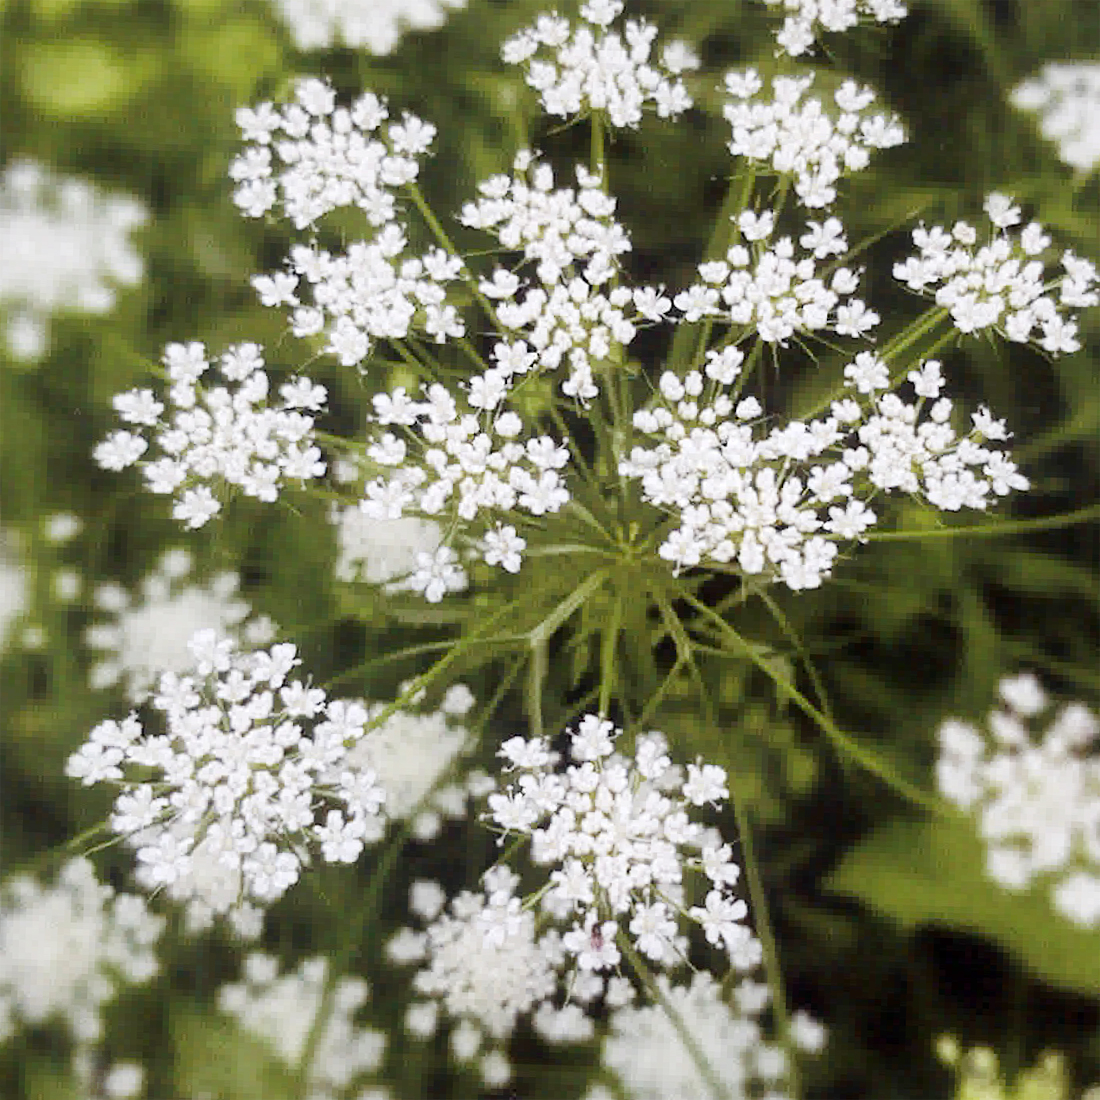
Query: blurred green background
887	927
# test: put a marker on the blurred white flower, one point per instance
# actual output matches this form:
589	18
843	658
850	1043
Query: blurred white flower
1066	97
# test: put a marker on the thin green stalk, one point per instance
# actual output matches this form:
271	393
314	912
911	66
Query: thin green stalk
989	530
608	646
851	748
714	1083
803	655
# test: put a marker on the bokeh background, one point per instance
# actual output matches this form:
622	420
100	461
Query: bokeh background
888	929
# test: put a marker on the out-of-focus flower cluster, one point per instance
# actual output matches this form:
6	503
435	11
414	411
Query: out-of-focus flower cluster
246	764
66	247
66	949
1066	97
217	437
779	505
591	68
147	635
374	25
283	1010
1032	780
1002	284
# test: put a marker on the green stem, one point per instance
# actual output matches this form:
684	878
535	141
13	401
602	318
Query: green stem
714	1083
1011	527
851	748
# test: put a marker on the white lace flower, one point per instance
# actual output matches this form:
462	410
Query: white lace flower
66	247
806	20
1033	785
779	501
592	68
66	949
217	436
798	135
373	25
463	470
148	635
647	1052
252	775
283	1010
774	291
484	961
619	836
1002	284
1066	97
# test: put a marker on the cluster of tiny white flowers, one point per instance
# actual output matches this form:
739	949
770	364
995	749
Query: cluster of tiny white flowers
415	756
66	949
807	19
1036	794
147	636
466	468
778	505
484	959
774	291
574	241
1066	96
373	25
618	833
800	137
380	551
66	246
332	156
282	1010
1001	284
247	761
218	436
591	68
646	1051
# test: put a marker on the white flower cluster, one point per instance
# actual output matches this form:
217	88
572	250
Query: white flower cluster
807	19
415	756
147	636
337	157
282	1011
592	68
484	959
619	835
66	949
66	245
646	1051
1066	96
797	134
465	469
1001	284
218	436
776	292
331	156
386	552
574	241
247	762
373	25
1036	796
778	505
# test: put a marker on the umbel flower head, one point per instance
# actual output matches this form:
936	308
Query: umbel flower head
1066	97
374	25
283	1009
66	248
66	949
217	437
147	634
626	874
249	778
1033	783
